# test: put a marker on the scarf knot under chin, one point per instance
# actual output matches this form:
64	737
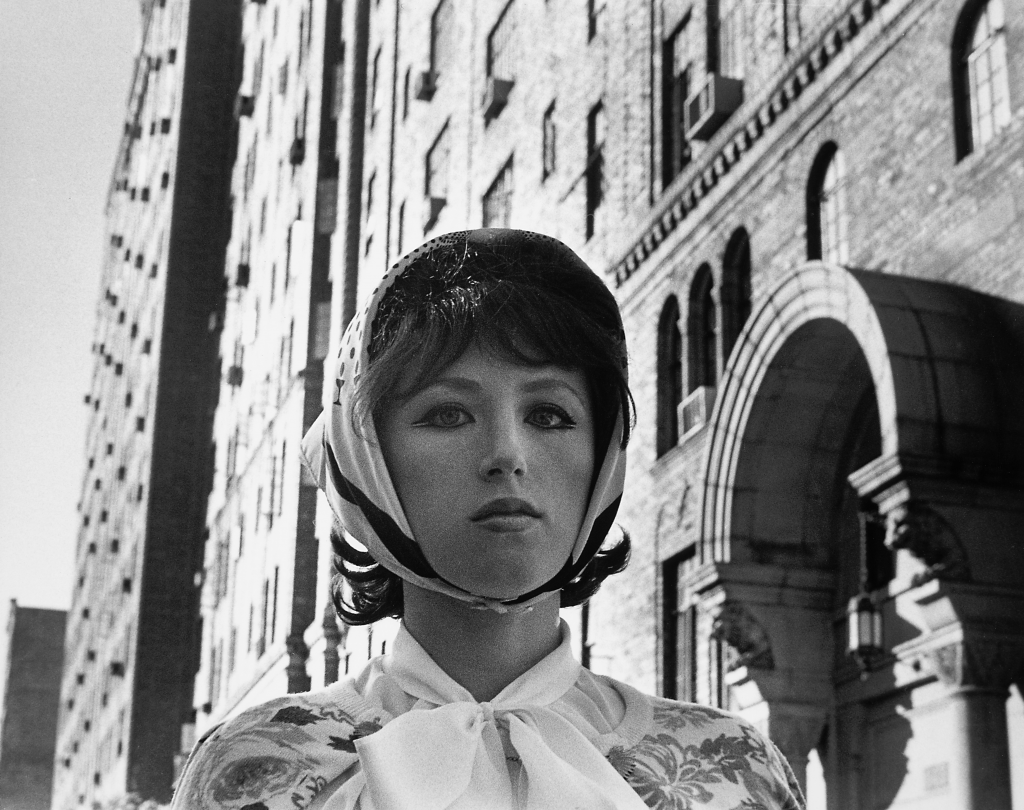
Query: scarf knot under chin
452	753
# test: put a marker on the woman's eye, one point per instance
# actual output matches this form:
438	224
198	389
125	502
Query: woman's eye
446	416
550	416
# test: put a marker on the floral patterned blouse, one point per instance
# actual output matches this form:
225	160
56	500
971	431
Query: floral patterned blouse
300	751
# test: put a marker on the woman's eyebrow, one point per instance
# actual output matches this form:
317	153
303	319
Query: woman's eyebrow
461	384
547	383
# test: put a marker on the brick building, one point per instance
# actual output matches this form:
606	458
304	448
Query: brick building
28	713
131	644
261	559
811	216
810	213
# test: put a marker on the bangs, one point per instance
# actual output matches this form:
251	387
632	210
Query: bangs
526	310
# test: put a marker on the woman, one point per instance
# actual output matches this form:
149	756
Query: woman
476	448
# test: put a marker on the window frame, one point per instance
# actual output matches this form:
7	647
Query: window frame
549	143
441	141
497	199
669	376
702	325
597	130
501	62
965	54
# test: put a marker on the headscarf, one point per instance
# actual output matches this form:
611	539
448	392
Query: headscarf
343	453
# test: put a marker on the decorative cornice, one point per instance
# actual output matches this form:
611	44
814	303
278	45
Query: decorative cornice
739	136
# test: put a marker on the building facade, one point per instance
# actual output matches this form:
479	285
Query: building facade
810	214
28	713
132	630
261	562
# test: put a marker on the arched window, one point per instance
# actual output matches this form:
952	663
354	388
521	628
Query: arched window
670	376
701	329
981	94
735	289
826	207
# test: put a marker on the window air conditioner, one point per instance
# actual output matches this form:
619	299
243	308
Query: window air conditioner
495	96
426	85
297	153
695	409
234	375
242	277
713	102
432	210
244	106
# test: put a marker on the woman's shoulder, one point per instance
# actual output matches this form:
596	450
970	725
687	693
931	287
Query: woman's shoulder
705	756
285	750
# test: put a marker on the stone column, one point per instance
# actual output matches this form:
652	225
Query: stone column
975	646
980	767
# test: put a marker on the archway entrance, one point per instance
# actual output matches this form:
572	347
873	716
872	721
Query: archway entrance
861	422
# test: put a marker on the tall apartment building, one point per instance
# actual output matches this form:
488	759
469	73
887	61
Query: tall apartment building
811	215
262	557
28	711
132	630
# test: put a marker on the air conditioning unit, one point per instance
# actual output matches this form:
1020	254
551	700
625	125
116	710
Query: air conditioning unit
695	409
244	106
297	153
242	277
495	96
426	85
117	669
234	375
432	210
713	102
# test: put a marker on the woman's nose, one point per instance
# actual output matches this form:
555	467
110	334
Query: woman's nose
504	454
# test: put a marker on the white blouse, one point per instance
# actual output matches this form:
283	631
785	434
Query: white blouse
540	743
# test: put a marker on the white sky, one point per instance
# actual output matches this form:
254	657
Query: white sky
65	67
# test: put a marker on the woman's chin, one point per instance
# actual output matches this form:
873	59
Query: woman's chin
502	586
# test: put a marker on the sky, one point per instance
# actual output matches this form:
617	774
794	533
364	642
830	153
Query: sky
65	70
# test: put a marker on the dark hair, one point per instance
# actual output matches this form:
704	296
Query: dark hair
530	300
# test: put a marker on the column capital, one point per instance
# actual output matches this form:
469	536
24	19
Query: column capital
974	635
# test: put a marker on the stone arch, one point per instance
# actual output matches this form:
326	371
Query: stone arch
945	375
851	390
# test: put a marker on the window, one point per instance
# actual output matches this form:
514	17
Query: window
677	69
701	329
980	85
374	81
595	16
680	632
791	23
369	193
735	289
442	34
405	93
670	376
498	199
257	71
549	139
595	165
438	157
401	227
826	207
731	35
501	45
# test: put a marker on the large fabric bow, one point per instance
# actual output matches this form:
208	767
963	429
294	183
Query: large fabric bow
447	752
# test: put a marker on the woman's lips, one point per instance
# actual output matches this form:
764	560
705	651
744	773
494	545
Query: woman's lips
506	515
506	522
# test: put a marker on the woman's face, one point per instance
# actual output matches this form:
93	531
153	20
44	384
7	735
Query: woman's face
492	462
